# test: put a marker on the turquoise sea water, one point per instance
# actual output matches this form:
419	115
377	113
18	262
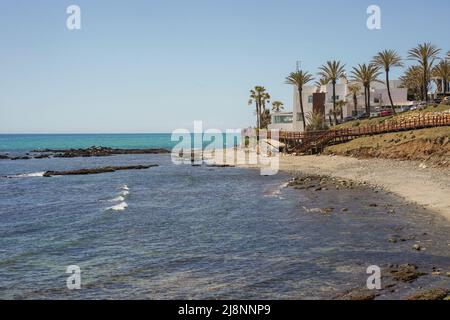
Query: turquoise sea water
28	142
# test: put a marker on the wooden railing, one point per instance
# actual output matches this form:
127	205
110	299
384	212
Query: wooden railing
314	141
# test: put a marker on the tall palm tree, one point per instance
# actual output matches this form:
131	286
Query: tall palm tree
298	79
425	54
354	90
366	75
259	97
332	71
277	106
388	59
412	80
442	72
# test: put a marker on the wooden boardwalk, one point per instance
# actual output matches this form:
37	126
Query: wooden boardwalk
315	141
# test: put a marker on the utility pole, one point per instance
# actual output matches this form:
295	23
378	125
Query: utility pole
298	65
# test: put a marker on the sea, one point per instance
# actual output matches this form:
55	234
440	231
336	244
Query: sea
193	232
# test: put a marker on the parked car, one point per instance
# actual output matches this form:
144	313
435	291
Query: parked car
361	116
386	113
350	118
374	114
404	108
419	106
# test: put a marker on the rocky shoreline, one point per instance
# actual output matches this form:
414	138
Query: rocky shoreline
94	151
401	280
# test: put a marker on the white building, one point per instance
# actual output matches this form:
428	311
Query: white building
281	121
321	100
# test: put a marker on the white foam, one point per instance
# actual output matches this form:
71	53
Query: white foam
316	210
117	199
118	207
30	175
277	191
124	193
125	187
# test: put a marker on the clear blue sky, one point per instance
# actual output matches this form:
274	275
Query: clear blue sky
157	65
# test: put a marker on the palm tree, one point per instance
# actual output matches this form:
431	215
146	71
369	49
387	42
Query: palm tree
366	75
316	122
442	72
265	119
319	83
425	54
412	80
354	90
300	78
265	99
332	71
259	97
277	106
388	59
340	108
448	55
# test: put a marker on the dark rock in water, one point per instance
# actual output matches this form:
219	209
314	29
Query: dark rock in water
42	156
4	157
220	166
21	158
327	210
358	294
97	152
432	294
405	272
96	170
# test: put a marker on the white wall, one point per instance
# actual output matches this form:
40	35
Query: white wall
307	106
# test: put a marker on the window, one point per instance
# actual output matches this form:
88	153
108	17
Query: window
331	98
282	119
299	116
310	99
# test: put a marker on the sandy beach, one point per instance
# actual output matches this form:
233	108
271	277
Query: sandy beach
428	187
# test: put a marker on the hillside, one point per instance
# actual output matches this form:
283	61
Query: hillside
431	146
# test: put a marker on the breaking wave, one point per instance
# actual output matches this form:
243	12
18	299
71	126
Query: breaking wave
118	207
28	175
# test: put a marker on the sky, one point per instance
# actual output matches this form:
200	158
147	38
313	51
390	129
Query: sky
157	65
